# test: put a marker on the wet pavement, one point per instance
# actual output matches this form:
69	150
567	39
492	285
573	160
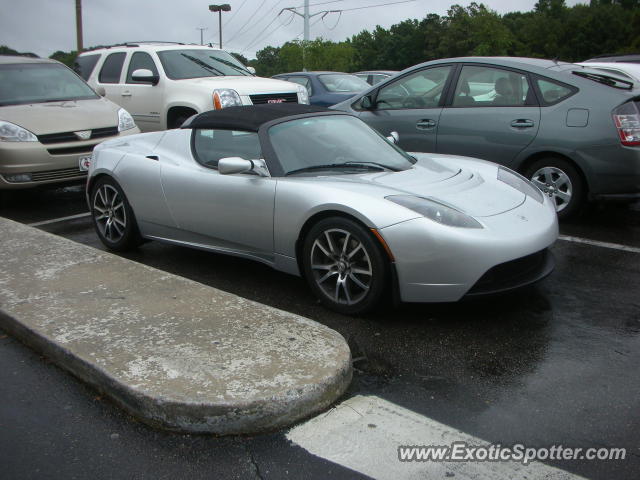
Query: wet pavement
552	364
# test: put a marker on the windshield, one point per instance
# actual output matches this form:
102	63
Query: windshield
342	82
181	64
341	143
40	82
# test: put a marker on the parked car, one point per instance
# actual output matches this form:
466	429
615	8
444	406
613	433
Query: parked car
50	121
374	77
573	131
628	71
162	84
318	193
624	57
326	88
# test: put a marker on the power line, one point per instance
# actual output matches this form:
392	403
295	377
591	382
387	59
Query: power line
322	3
234	14
371	6
251	17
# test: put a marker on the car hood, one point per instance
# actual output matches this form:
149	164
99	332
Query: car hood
245	85
68	116
467	184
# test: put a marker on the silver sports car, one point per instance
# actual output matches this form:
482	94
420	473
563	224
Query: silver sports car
318	193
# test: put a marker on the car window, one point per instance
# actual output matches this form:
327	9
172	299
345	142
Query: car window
342	82
304	81
198	63
41	82
377	78
553	92
140	60
85	64
110	71
212	145
490	87
332	139
422	89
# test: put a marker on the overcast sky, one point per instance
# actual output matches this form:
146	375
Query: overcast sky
44	26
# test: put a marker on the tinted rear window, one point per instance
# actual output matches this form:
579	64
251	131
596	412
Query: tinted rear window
110	72
84	65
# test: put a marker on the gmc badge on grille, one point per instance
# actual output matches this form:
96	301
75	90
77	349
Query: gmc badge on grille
276	100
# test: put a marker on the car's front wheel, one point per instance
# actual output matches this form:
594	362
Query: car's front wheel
559	180
113	217
344	265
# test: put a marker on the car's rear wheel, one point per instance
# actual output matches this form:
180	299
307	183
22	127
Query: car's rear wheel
559	180
344	265
113	217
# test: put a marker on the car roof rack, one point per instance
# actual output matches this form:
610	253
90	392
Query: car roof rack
137	44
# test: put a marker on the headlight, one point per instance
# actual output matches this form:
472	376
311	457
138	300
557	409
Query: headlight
125	120
520	183
303	95
435	211
225	97
14	133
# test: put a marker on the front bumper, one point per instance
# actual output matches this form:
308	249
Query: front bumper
46	163
436	263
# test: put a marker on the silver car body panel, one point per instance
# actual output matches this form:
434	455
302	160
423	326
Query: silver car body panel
177	200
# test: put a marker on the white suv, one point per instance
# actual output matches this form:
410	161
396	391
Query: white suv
163	84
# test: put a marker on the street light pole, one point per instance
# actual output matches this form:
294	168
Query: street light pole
225	7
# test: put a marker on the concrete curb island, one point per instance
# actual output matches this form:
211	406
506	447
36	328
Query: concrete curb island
174	353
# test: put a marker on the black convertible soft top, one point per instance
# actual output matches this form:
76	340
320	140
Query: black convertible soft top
249	117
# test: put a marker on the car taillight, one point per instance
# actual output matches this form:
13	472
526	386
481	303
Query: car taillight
627	120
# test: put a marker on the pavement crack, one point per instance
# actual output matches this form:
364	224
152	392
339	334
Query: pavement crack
253	461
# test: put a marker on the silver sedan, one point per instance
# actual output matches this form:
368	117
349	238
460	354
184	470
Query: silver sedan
319	194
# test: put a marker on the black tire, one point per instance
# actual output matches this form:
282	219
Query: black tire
113	217
179	120
336	272
559	179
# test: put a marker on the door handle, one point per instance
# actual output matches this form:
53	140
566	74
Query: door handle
425	124
126	93
152	157
522	123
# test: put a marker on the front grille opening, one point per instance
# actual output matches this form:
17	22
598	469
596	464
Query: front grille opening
274	98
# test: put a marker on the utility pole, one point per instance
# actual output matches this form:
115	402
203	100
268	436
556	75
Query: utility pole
306	17
79	25
202	29
306	20
225	7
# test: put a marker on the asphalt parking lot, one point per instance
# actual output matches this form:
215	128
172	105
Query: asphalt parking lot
552	364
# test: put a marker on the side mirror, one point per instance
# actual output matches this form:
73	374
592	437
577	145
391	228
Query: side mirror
367	102
145	75
231	165
252	70
101	91
394	137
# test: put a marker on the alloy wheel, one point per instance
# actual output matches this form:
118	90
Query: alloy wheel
109	213
556	184
341	266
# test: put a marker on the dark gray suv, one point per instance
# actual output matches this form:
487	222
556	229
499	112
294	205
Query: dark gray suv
574	131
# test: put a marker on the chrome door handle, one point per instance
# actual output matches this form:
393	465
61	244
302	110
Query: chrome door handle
126	94
425	124
522	123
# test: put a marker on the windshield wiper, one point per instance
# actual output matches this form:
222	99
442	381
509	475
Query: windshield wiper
204	65
366	165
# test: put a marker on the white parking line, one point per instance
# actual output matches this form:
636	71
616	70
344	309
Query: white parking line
363	434
61	219
596	243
